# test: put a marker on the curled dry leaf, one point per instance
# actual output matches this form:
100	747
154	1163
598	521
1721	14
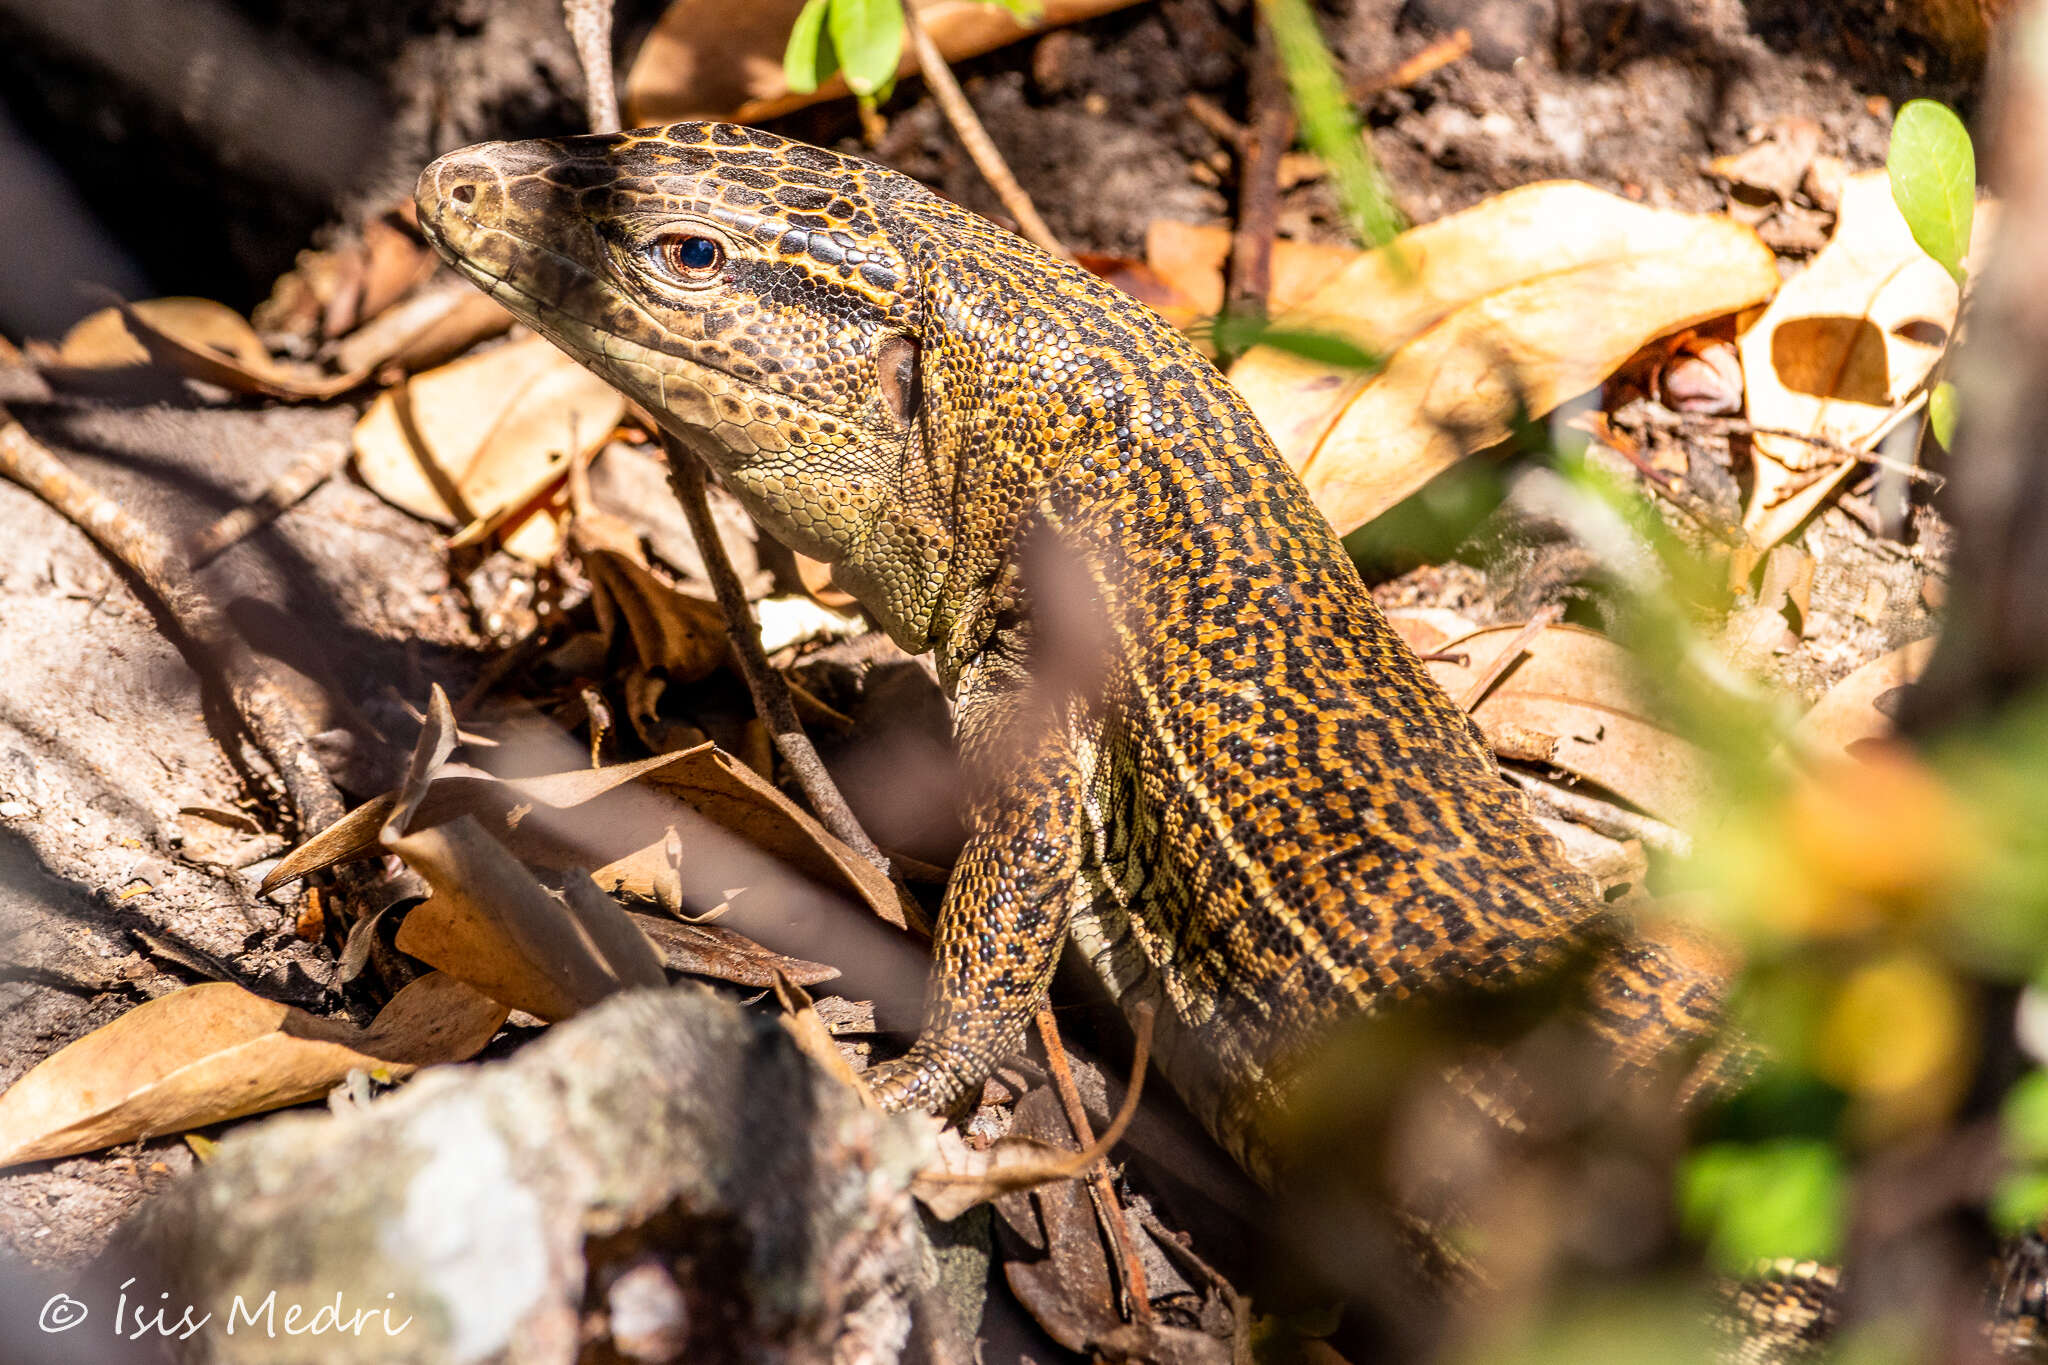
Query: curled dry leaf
1842	346
486	437
673	632
721	954
1586	693
490	924
1507	309
588	815
215	1052
1860	707
709	59
963	1177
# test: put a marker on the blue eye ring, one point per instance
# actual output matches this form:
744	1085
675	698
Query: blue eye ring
690	256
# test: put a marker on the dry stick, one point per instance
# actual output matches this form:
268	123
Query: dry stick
1258	182
590	29
1108	1210
1494	671
771	696
589	24
981	149
216	648
1173	1248
306	473
1603	817
1439	54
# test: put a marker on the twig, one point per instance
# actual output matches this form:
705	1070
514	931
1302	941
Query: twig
1175	1249
1603	817
1108	1209
981	149
216	650
771	696
1439	54
1505	660
1624	444
590	29
1737	426
306	473
1258	182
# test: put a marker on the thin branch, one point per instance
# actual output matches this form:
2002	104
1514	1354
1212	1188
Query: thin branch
1108	1209
306	473
771	696
1258	182
1602	817
1515	648
981	149
215	649
590	29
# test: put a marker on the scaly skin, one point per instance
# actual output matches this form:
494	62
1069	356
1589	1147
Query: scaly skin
1193	742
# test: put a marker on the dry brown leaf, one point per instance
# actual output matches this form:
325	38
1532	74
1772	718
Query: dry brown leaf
235	358
214	1052
1189	258
481	436
814	1040
1775	163
1851	713
490	924
673	632
576	818
707	59
1508	308
708	950
1587	692
196	338
440	320
963	1177
1841	347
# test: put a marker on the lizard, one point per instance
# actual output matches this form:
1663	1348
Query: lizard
1195	748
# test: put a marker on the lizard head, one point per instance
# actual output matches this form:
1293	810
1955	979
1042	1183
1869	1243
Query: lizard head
739	287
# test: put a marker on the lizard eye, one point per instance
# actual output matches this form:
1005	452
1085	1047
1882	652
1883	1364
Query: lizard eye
691	259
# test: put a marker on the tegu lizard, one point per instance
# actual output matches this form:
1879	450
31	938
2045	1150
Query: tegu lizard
1195	747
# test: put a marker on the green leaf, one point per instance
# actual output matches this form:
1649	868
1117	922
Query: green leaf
1934	180
1755	1201
809	60
869	36
1941	414
1236	333
2024	1118
2019	1202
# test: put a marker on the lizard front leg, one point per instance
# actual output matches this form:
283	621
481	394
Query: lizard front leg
1012	896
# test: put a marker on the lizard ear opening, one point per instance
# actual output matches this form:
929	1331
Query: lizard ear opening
900	375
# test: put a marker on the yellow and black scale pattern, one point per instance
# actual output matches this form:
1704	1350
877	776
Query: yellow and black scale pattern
1195	745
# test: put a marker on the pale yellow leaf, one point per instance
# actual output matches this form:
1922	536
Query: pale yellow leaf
482	435
1508	308
1845	342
